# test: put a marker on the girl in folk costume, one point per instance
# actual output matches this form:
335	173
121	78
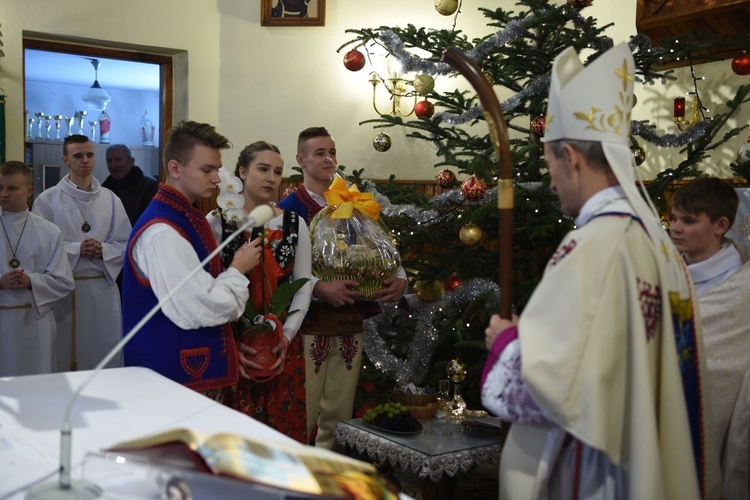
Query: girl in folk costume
271	391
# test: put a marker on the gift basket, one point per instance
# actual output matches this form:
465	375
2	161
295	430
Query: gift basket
350	243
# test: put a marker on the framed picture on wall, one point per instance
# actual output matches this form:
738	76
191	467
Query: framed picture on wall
292	12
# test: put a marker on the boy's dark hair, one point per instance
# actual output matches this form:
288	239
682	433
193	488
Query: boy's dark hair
310	133
186	135
17	167
710	195
74	139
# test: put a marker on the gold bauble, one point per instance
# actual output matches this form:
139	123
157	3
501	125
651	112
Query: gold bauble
446	7
639	155
428	291
456	370
424	84
470	234
382	142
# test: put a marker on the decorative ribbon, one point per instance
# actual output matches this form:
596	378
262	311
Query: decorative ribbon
346	200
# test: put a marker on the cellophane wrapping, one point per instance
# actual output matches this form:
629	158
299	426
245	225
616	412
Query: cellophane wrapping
357	248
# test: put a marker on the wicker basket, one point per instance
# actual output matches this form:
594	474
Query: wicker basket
413	399
423	413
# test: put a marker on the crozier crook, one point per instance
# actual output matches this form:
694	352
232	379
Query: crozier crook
493	113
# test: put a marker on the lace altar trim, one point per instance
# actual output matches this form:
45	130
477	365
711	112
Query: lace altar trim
399	456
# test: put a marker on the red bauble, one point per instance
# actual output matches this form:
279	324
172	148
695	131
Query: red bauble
354	60
453	282
537	125
473	189
741	64
446	178
424	109
579	4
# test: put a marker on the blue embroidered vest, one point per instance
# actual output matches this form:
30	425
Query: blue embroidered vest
202	359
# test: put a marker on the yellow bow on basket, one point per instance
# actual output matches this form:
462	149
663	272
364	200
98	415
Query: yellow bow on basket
348	199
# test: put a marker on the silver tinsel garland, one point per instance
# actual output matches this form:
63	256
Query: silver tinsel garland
449	200
649	134
414	367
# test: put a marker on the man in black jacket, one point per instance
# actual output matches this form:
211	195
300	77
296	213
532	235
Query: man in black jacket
128	182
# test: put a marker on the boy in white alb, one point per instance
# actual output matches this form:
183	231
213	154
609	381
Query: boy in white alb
34	275
95	228
702	213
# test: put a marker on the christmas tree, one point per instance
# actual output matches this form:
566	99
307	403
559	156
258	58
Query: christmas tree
449	244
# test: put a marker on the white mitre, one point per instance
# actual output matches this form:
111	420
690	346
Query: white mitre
593	103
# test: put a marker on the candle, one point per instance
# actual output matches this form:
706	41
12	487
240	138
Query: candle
679	107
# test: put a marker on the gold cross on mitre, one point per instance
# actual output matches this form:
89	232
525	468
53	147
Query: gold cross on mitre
624	75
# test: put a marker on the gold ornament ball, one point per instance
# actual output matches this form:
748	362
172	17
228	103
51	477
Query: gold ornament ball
470	234
446	7
456	370
382	142
424	84
639	155
428	291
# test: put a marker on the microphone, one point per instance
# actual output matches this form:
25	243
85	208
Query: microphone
65	487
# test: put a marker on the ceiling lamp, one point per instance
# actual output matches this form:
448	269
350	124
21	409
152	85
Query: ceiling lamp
96	97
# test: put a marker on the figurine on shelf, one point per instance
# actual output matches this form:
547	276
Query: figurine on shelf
147	130
69	123
39	117
79	116
47	126
93	130
57	126
104	125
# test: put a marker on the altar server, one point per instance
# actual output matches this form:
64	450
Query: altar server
34	275
95	228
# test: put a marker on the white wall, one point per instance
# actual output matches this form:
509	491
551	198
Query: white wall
166	25
275	81
268	83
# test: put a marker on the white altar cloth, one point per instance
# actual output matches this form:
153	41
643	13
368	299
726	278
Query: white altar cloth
119	404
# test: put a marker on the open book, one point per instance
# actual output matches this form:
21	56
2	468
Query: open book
302	469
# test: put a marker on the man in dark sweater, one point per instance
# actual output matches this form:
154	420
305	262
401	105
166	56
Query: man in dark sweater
128	182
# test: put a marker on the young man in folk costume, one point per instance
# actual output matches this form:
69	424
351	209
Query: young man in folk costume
333	327
34	274
603	373
272	392
702	213
189	340
95	228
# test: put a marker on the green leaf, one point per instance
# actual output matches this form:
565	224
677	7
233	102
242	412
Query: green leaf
283	297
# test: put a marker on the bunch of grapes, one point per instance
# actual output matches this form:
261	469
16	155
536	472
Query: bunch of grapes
392	417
